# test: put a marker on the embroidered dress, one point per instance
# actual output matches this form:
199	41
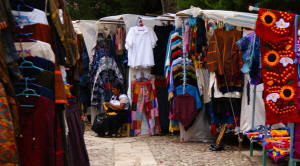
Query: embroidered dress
279	72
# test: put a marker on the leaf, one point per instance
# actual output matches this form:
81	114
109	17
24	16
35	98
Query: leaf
269	68
291	103
290	81
267	46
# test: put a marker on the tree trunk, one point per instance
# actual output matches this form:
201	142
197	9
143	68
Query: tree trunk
169	6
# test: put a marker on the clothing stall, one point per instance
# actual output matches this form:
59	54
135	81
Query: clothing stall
241	75
42	60
139	75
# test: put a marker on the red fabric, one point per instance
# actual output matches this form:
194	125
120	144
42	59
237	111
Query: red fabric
59	144
185	109
269	31
280	82
36	141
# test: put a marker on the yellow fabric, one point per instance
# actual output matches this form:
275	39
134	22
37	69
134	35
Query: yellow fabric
279	133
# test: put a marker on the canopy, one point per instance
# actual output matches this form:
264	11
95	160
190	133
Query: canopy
242	19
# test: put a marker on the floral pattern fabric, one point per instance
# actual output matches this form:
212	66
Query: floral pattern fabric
279	72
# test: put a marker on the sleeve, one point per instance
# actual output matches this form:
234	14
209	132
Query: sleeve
211	55
129	39
124	99
153	38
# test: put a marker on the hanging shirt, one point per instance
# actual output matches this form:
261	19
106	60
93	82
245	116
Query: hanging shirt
30	17
38	48
140	42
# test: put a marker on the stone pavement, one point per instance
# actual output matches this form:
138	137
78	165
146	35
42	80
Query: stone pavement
163	151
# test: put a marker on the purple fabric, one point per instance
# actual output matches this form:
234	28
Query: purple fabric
297	141
78	155
36	143
185	109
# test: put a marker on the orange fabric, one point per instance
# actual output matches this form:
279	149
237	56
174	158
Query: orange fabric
60	94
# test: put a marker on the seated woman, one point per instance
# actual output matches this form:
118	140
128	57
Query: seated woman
117	112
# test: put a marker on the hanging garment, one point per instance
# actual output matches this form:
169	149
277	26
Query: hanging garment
223	58
43	91
39	62
7	83
279	72
144	100
297	141
174	44
140	42
162	33
40	32
250	48
163	104
185	109
38	48
77	150
201	40
247	105
30	17
36	141
8	150
199	131
222	113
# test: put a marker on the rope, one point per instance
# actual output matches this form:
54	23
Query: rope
230	101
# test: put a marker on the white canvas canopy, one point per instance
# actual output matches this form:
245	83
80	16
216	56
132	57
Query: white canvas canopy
89	29
242	19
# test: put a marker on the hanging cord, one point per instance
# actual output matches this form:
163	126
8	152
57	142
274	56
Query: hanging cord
230	101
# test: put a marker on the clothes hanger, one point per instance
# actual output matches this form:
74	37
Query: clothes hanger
24	37
23	5
27	92
21	20
140	24
27	64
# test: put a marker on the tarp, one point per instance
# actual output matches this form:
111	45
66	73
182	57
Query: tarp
241	19
89	29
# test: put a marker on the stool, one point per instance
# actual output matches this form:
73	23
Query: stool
127	126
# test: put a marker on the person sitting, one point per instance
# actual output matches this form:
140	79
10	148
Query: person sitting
118	108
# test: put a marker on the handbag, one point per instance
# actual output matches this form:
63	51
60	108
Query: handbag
100	125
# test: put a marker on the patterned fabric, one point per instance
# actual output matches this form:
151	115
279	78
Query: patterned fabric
8	150
223	58
279	72
250	48
107	74
102	89
144	100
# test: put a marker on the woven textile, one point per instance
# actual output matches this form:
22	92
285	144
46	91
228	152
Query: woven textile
8	150
144	100
279	72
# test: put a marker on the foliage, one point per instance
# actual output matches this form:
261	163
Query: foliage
95	9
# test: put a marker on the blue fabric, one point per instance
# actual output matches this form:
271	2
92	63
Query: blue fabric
39	90
193	91
249	53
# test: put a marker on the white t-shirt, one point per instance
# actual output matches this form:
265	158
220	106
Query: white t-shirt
122	99
30	17
38	48
140	42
